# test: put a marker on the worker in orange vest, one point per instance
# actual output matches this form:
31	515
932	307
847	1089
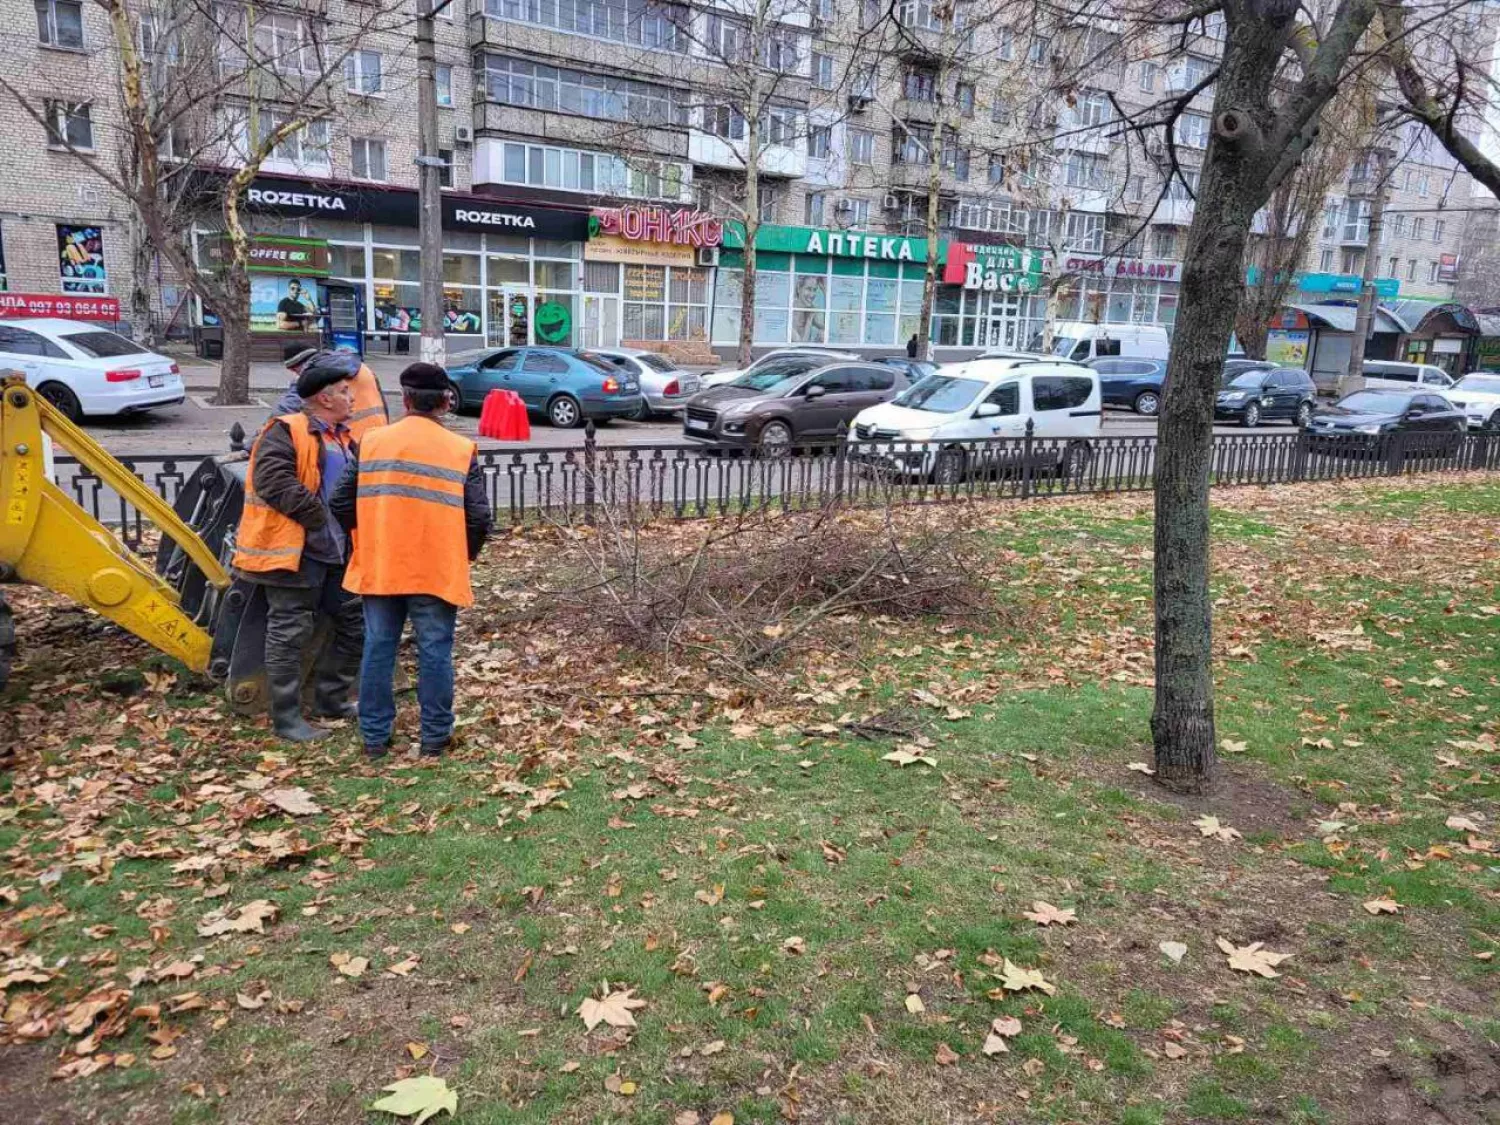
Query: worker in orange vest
413	501
369	400
289	544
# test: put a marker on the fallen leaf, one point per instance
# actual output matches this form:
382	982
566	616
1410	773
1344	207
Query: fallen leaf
614	1009
1386	905
945	1055
404	968
348	964
570	1066
1174	1051
248	919
711	898
1017	979
1175	950
1033	1067
725	1118
1210	826
296	801
914	1004
1001	1029
1045	914
1230	746
1461	824
1252	958
421	1097
460	927
906	758
796	946
617	1085
1140	767
711	1048
416	1050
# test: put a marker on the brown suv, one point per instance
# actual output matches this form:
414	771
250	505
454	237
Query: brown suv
780	407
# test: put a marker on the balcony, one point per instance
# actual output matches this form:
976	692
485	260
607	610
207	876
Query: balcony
1074	136
915	111
918	177
1174	213
568	129
779	161
917	42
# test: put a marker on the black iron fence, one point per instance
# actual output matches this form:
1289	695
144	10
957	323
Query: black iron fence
689	480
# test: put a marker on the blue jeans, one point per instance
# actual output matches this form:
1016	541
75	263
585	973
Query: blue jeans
432	620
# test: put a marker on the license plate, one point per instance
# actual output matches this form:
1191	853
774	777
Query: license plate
157	381
690	386
696	424
630	386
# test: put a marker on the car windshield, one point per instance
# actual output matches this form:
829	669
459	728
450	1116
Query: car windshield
1248	380
470	357
595	360
940	394
1375	402
1064	345
103	345
1480	384
657	362
777	377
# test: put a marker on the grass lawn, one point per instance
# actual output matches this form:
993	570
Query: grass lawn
816	932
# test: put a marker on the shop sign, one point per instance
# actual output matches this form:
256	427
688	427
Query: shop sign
80	259
1447	267
69	307
993	267
1143	269
830	243
636	223
274	254
1386	288
472	213
616	248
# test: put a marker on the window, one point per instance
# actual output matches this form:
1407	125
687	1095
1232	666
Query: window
778	126
861	146
281	42
820	142
445	86
913	144
1422	185
1148	76
1352	261
874	378
18	341
306	149
920	85
1007	396
822	71
1060	392
1437	230
1135	189
1356	225
1432	271
1164	243
367	159
1418	228
927	15
780	52
512	81
1192	130
728	41
70	125
1039	51
997	168
362	73
1411	269
1332	216
1325	261
59	23
643	23
1102	51
1187	72
724	121
445	173
813	209
769	198
1398	227
821	9
159	46
544	363
955	157
1183	187
80	259
1093	109
1395	265
1085	170
1000	111
1005	43
963	94
595	173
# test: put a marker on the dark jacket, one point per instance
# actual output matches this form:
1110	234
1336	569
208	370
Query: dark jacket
276	482
477	518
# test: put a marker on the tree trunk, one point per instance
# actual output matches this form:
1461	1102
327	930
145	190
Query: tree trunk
234	321
745	353
929	278
142	257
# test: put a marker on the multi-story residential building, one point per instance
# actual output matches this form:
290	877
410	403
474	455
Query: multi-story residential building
595	157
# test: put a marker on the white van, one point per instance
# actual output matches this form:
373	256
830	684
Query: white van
947	416
1389	375
1081	341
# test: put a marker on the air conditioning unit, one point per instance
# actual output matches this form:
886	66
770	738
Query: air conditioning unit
891	202
858	103
90	196
708	255
463	135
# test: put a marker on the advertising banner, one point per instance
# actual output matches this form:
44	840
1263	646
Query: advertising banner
80	259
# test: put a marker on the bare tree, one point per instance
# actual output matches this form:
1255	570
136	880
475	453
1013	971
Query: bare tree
209	85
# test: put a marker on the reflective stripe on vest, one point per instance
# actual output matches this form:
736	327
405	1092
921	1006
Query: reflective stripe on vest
410	535
369	405
268	540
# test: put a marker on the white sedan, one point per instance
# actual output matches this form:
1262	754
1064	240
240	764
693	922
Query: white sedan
1478	396
83	369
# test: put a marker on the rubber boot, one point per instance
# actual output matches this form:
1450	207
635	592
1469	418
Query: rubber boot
331	694
286	711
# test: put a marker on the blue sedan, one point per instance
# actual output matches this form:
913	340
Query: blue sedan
564	385
1131	382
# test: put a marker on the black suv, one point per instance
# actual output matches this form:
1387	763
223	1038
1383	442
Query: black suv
1267	394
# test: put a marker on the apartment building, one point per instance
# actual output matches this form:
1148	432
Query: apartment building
595	158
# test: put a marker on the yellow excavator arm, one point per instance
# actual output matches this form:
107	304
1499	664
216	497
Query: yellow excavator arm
48	540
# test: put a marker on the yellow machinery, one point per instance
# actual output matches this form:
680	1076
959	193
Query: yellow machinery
48	540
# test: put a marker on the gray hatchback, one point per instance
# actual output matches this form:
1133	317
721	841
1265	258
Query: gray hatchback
665	387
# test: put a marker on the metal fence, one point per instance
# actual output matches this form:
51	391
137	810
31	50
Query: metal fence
688	480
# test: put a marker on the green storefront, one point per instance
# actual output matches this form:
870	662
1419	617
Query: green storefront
858	290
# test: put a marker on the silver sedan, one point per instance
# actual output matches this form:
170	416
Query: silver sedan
665	386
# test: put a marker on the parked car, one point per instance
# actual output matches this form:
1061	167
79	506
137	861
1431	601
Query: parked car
1365	423
1238	364
799	351
913	369
1478	396
665	387
1135	383
83	369
563	385
775	408
1081	340
1268	394
1388	375
948	415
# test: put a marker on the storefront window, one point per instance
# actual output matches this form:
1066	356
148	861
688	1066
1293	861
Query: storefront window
881	299
508	271
1119	307
810	304
346	261
687	312
461	305
729	285
556	319
772	296
556	275
398	265
461	269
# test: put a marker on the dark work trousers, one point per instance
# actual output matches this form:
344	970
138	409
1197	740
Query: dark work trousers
292	614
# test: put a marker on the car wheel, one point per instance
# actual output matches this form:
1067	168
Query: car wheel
950	469
1494	422
1251	418
642	412
775	439
64	399
1075	460
457	394
1147	403
1304	415
564	412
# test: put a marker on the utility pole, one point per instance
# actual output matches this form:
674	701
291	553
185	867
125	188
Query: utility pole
1366	313
429	171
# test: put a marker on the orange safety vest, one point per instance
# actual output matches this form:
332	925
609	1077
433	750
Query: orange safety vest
369	405
268	540
409	534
